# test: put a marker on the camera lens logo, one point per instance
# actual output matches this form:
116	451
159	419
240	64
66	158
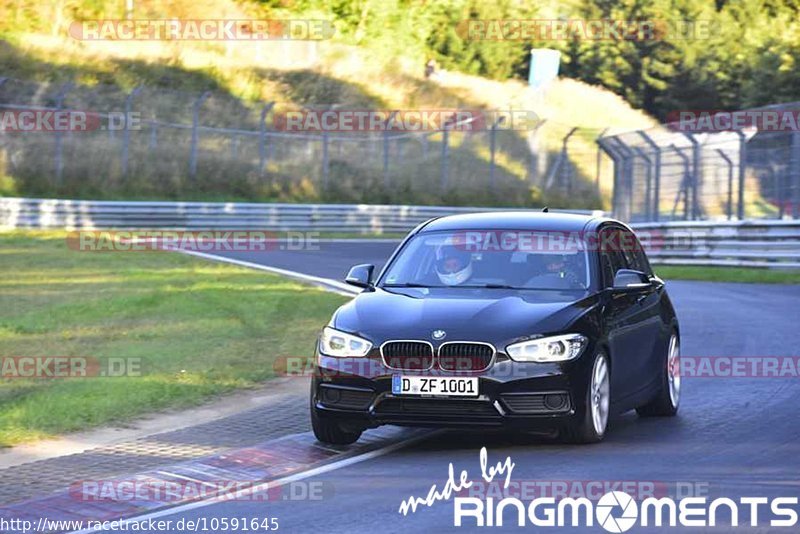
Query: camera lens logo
609	505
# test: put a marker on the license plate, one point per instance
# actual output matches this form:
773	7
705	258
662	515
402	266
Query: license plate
435	385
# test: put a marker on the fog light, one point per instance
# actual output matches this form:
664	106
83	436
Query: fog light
331	395
555	401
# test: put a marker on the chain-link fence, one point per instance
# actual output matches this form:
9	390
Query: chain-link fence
156	143
709	165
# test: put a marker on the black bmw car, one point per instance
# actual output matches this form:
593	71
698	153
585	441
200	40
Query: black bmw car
529	321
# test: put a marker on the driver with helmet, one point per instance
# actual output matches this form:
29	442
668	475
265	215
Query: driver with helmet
453	266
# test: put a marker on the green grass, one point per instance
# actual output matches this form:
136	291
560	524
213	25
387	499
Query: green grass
728	274
199	328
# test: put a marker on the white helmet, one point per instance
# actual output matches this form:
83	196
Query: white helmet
454	266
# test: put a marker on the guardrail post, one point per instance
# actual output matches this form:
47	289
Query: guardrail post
59	136
729	161
742	170
196	133
262	139
126	134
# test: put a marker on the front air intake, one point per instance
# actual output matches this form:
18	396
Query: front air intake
407	355
459	356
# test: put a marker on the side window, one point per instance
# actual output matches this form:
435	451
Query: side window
642	258
633	252
611	257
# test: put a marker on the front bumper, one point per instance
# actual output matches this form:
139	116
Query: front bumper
511	394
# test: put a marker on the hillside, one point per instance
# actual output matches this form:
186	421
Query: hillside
242	75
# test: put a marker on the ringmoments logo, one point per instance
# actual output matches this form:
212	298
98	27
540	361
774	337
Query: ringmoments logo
615	511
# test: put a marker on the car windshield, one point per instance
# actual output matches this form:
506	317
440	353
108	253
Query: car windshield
490	259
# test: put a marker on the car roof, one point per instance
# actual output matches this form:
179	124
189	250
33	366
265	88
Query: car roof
514	220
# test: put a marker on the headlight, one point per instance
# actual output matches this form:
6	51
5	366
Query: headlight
548	349
335	343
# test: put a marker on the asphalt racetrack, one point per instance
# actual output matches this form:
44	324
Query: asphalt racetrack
734	436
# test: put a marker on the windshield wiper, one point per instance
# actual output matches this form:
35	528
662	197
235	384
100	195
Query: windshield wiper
409	284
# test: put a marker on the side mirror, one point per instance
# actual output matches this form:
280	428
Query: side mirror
360	275
630	279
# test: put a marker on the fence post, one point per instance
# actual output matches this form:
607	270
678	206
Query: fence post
445	156
196	133
325	161
648	185
492	145
729	161
626	177
742	170
153	134
533	170
59	137
562	157
234	146
656	174
126	133
262	139
386	149
696	174
794	174
599	160
684	189
601	144
775	178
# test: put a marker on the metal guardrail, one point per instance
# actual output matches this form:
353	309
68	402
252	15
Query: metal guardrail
740	243
349	218
774	244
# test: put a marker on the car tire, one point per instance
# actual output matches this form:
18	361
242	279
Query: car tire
667	401
591	428
331	431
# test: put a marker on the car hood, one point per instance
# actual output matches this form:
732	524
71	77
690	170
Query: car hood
493	315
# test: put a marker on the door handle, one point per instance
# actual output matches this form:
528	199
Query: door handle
641	298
